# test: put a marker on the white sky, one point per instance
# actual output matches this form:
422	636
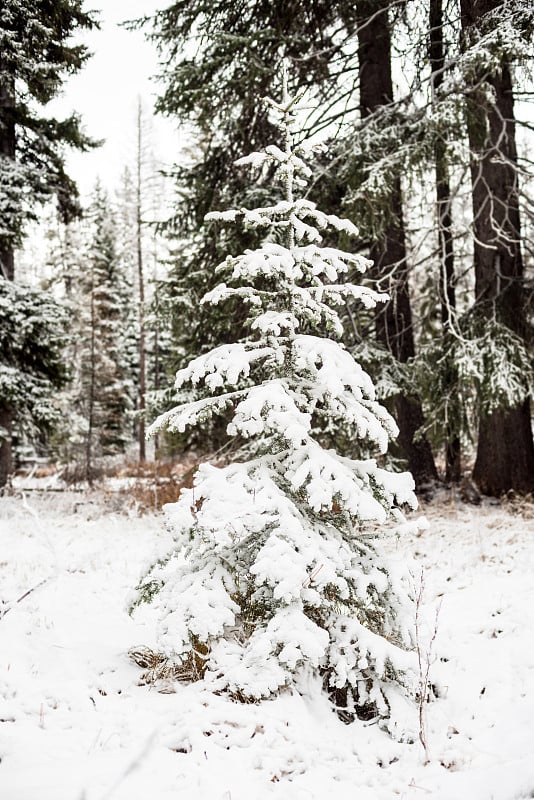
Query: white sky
105	92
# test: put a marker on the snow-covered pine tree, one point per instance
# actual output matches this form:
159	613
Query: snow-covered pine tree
101	393
36	55
110	298
32	337
275	573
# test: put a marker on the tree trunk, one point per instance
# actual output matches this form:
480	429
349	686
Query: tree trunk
7	150
141	282
92	390
7	260
157	322
505	453
6	462
447	276
505	458
394	321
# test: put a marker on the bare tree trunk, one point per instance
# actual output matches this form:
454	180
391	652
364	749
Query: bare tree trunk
7	259
157	354
505	454
447	279
394	321
141	282
92	388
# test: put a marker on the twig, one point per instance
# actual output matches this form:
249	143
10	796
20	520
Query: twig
424	660
4	611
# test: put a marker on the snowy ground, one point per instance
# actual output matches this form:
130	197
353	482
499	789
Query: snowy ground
74	724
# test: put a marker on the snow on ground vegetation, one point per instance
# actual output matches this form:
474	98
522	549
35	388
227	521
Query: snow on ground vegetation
75	724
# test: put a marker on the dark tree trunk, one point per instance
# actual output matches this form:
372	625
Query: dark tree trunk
447	279
394	321
505	454
7	149
505	457
6	462
7	261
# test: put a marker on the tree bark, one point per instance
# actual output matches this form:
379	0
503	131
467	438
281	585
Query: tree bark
447	276
7	150
505	453
394	321
6	461
7	259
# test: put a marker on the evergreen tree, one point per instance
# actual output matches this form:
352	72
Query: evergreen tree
447	272
471	364
32	336
395	330
458	113
35	57
215	94
282	574
495	33
217	91
101	391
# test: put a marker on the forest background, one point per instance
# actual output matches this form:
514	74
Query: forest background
419	130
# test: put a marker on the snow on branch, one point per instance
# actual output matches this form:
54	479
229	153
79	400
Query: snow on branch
281	572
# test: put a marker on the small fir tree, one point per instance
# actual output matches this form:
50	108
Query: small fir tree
275	573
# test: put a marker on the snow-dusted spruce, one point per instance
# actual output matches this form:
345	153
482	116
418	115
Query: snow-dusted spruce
33	330
275	575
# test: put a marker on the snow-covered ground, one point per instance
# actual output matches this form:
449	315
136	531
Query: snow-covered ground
74	724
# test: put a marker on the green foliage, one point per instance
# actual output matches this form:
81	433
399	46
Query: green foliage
36	56
480	367
32	337
103	394
146	592
237	56
275	574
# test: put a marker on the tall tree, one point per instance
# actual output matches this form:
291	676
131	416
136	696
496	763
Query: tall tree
141	203
140	279
109	299
32	369
447	276
217	91
101	391
234	63
505	453
36	55
394	322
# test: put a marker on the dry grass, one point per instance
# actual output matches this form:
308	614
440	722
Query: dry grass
159	482
145	486
161	671
156	482
150	492
125	485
